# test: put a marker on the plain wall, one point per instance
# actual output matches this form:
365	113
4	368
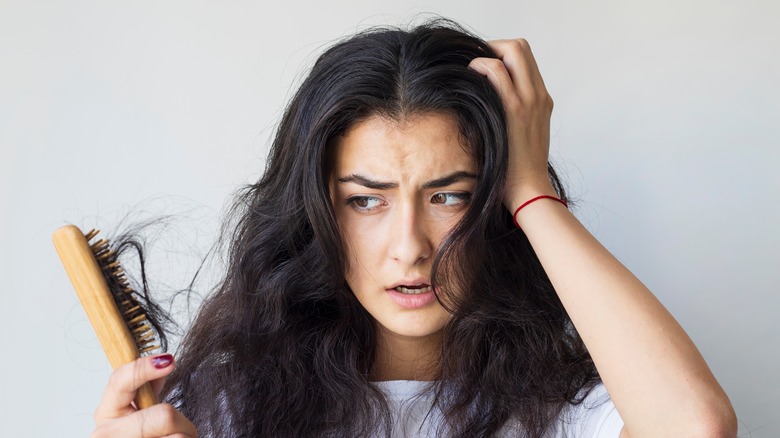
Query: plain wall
665	126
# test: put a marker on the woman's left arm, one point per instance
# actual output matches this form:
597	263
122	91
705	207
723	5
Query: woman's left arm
656	377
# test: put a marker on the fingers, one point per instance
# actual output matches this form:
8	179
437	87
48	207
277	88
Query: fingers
161	420
515	76
124	382
499	77
516	63
117	418
517	55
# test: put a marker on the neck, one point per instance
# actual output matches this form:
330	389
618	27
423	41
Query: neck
406	358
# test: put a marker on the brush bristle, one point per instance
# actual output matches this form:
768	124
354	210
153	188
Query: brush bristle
132	312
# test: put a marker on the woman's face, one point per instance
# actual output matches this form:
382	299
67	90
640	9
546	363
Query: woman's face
398	189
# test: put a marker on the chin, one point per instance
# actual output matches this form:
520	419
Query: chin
415	326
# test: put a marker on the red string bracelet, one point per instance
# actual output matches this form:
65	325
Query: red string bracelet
514	216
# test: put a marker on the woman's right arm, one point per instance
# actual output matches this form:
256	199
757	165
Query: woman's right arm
117	417
658	380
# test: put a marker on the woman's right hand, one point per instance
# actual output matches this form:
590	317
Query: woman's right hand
117	416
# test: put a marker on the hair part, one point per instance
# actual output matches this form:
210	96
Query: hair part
283	347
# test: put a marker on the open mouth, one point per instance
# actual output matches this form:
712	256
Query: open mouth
413	290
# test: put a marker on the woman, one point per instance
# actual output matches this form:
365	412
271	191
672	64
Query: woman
379	283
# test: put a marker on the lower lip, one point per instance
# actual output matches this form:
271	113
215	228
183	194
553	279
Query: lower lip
411	301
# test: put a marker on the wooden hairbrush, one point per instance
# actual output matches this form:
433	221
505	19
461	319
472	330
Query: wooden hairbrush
116	315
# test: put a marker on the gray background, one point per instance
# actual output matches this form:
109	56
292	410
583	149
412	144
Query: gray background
665	126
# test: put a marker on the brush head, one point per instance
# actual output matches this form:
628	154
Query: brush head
112	306
114	309
133	313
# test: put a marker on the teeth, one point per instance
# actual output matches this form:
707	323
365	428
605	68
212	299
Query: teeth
413	291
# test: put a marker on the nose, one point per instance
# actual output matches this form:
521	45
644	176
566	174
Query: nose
410	236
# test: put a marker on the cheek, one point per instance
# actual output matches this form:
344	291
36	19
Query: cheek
351	261
360	254
360	236
364	263
355	251
442	228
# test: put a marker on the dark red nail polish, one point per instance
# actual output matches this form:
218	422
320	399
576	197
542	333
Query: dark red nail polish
162	361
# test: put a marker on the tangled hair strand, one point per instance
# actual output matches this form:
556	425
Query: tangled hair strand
283	347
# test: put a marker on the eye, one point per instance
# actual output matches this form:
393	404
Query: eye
451	199
364	203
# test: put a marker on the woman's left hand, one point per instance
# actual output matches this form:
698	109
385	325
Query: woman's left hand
658	380
528	107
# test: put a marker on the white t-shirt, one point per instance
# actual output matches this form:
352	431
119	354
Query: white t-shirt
595	417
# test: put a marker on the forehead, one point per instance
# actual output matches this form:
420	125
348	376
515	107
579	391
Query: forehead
430	142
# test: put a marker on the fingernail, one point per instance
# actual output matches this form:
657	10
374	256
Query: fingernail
162	361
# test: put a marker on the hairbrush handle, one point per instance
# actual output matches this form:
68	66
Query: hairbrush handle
92	289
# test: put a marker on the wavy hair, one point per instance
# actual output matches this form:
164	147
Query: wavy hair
283	348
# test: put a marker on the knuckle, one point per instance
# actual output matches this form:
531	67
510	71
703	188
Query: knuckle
116	379
493	63
157	420
119	377
166	413
515	46
99	433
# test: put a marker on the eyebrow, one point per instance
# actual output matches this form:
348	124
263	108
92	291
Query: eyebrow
444	181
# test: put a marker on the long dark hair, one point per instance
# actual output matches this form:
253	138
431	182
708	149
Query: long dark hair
283	347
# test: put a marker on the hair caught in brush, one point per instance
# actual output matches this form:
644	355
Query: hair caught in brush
128	246
134	241
283	346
